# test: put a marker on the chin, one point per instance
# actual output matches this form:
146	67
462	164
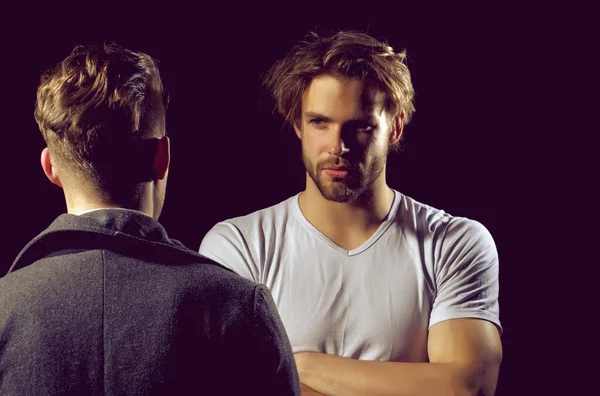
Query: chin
340	193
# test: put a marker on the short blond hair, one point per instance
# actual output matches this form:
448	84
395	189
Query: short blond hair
93	103
346	54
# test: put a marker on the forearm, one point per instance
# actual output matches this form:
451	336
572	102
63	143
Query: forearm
306	391
334	375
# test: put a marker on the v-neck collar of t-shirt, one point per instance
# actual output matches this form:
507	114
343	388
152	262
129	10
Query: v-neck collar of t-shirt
387	222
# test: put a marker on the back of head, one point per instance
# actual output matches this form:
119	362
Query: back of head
345	54
97	110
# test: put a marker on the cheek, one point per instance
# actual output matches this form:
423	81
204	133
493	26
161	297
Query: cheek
364	141
379	142
308	150
374	150
314	144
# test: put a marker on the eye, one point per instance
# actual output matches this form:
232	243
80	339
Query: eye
318	122
365	128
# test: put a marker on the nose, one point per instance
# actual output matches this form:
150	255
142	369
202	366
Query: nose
338	146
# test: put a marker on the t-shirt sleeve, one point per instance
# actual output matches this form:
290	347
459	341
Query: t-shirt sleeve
273	352
466	274
226	245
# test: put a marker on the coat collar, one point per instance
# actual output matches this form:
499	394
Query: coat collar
129	230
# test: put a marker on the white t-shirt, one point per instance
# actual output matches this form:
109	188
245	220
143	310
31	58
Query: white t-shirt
376	302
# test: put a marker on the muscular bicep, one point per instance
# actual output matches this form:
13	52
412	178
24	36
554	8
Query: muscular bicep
472	344
466	275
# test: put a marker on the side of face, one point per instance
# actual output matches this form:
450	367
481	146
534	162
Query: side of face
162	157
345	134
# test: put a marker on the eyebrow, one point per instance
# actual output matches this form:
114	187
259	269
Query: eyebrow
312	114
366	118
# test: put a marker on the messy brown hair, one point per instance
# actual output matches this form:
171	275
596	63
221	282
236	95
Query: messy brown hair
346	54
94	105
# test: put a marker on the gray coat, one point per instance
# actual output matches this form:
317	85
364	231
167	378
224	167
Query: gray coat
106	304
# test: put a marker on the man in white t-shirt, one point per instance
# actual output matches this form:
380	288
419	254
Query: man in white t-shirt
379	294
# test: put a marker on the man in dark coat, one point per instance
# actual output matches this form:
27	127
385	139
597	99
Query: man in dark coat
103	302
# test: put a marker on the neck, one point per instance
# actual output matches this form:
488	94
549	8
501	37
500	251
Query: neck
78	204
362	215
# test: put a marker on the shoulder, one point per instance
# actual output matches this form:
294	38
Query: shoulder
263	217
41	291
49	280
259	223
468	231
216	279
240	243
421	217
34	280
443	227
218	293
467	244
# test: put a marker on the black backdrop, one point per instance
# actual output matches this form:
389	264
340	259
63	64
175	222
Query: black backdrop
473	72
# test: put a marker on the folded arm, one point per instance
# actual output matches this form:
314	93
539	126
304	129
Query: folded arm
464	359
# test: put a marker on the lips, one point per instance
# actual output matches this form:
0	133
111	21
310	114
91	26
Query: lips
337	168
337	172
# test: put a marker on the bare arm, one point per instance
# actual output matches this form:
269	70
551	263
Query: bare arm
464	355
306	391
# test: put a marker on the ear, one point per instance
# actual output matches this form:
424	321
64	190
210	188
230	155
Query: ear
162	158
397	126
298	131
48	168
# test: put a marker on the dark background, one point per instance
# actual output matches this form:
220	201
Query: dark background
469	149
